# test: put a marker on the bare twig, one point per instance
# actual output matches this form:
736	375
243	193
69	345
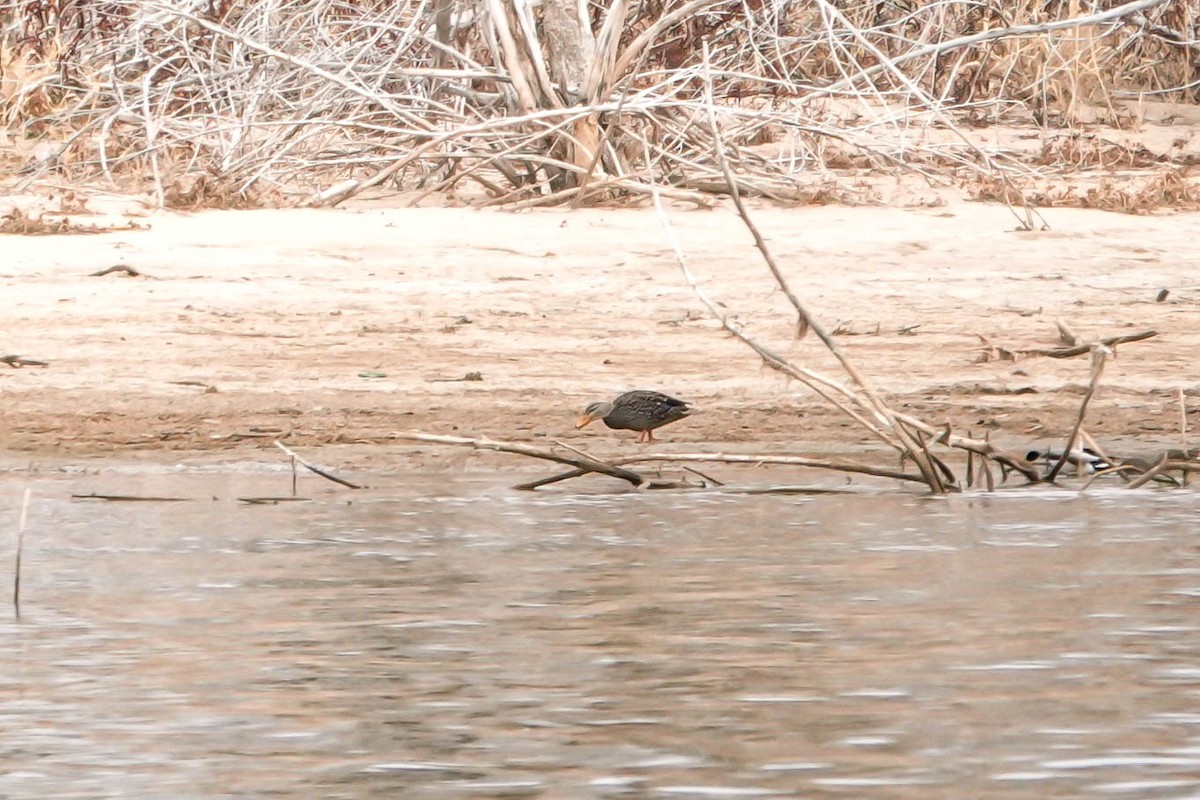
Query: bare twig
16	362
529	486
1151	473
804	320
1099	354
20	548
706	477
326	475
837	395
835	465
130	271
1118	470
1078	350
1183	430
271	501
584	463
129	498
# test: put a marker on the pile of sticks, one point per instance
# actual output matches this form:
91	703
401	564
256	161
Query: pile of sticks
525	103
914	440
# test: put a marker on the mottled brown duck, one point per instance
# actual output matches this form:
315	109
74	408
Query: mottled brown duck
639	410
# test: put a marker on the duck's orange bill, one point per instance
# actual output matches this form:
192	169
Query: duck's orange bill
584	421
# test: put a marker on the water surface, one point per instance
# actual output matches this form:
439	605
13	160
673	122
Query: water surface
447	637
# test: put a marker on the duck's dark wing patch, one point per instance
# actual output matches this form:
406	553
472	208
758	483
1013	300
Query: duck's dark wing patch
642	410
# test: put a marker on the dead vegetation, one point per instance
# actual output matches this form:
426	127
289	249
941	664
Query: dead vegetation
1140	193
50	223
235	103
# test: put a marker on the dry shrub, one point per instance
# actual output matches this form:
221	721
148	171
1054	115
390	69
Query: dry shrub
195	192
68	203
834	193
226	101
1074	151
25	223
1164	190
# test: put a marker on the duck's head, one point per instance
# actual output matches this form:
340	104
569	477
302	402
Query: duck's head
592	413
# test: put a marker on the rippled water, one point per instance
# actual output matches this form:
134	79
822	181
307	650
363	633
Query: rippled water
447	637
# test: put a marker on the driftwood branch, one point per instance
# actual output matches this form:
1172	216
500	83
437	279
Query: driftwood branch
128	270
1078	350
1150	474
584	464
311	468
836	465
16	362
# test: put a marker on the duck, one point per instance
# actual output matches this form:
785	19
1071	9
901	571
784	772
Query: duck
639	410
1086	459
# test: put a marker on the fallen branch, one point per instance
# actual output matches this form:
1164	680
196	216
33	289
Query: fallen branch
1078	350
1151	473
130	271
994	352
271	501
584	464
129	498
529	486
16	362
783	490
327	476
788	460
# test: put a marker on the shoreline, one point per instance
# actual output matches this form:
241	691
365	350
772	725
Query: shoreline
338	327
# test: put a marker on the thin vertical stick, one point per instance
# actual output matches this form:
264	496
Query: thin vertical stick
1183	432
293	476
987	476
20	547
970	467
1099	354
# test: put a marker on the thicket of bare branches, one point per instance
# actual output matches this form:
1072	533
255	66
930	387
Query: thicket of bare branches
537	102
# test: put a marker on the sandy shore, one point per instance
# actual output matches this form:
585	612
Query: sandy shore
342	326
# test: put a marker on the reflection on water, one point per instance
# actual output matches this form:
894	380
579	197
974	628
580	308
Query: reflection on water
454	639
